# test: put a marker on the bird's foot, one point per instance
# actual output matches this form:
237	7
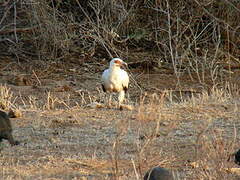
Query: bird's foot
125	106
121	107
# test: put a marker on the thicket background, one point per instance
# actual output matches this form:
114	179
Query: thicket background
191	35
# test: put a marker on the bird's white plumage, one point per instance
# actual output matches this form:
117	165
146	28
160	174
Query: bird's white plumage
116	79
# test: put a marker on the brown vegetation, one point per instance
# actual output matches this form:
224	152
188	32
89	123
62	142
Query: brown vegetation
183	61
173	31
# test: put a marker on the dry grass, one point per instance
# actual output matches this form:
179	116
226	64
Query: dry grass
5	97
193	137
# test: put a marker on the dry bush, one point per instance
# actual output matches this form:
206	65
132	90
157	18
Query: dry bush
54	36
209	140
67	27
200	38
192	35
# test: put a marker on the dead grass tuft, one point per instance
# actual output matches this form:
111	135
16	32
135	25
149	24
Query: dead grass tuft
5	97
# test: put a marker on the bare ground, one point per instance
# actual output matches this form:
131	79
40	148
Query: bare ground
62	138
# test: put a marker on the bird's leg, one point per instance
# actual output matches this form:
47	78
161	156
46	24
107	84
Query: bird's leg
110	100
120	99
127	98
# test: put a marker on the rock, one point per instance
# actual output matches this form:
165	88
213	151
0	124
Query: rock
237	157
158	173
6	129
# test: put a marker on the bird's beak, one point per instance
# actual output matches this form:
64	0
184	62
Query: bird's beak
124	64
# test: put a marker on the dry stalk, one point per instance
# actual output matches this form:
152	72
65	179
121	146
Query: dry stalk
51	101
32	100
37	78
5	97
204	129
153	111
135	169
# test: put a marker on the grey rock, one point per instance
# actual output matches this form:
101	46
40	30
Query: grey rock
158	173
237	157
6	129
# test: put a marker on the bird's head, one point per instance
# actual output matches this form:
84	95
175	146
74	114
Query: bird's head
117	62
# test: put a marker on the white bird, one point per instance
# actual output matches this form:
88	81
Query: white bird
115	80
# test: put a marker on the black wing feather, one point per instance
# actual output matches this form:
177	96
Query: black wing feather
125	88
104	90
